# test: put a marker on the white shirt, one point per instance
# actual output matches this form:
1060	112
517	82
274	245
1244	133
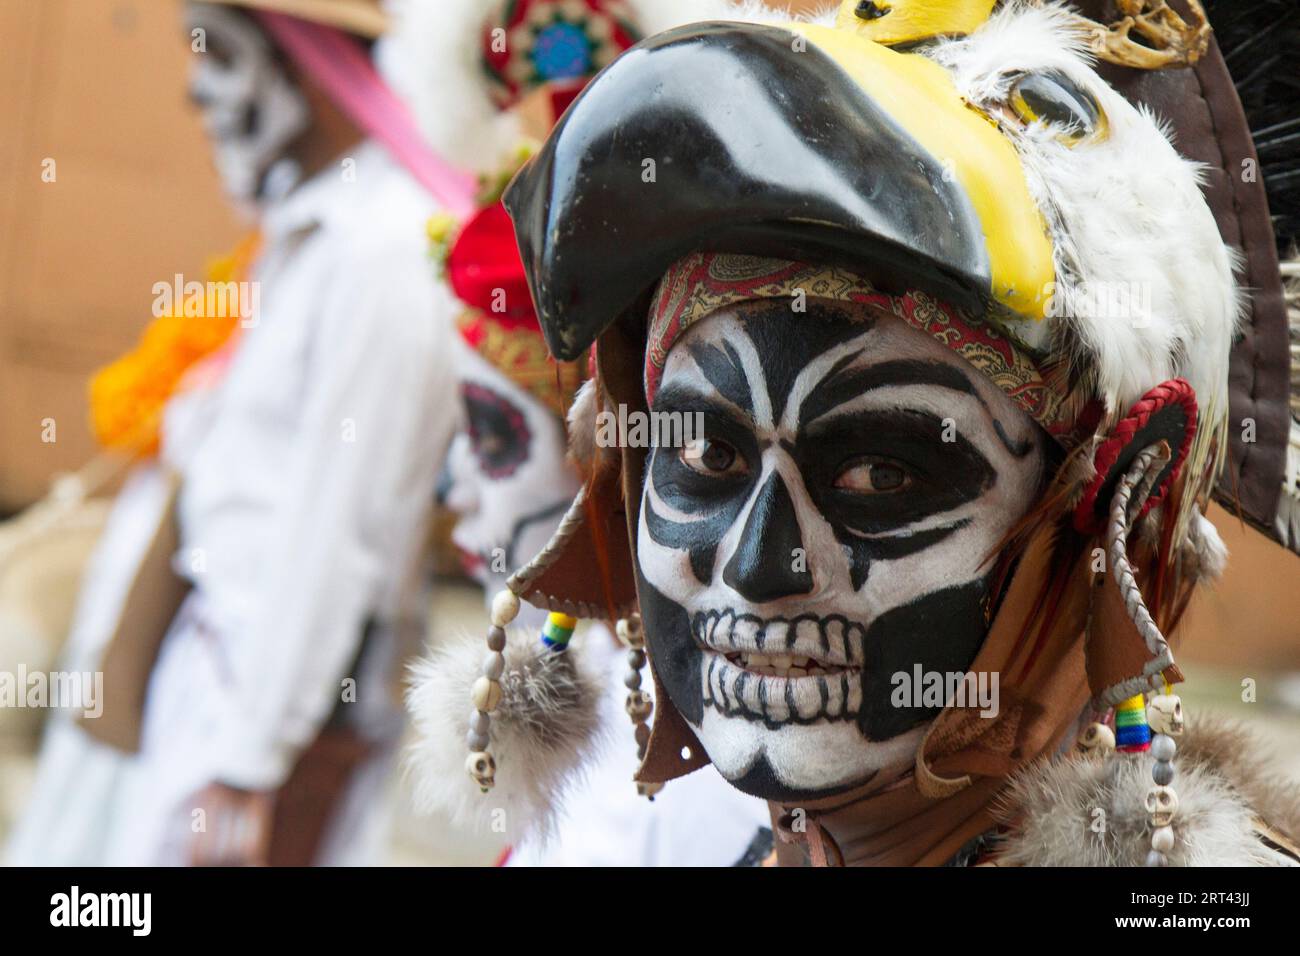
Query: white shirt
303	507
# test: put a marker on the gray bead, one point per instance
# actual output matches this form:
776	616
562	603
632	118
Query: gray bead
636	659
1163	747
1162	772
1156	858
632	680
494	665
496	640
476	742
479	722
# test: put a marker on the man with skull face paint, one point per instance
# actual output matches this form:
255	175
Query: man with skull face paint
509	481
896	575
270	700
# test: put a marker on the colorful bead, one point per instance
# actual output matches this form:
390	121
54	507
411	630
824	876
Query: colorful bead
1132	735
558	630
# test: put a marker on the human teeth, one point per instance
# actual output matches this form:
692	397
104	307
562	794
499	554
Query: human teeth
781	662
796	672
800	660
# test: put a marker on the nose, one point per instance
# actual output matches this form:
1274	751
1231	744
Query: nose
770	562
442	488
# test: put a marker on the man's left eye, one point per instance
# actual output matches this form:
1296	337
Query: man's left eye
872	477
709	456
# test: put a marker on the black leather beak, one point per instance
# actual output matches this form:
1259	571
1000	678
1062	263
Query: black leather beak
723	137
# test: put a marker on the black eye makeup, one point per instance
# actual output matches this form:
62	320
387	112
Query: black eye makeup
878	471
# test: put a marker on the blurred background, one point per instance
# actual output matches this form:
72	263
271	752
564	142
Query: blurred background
98	87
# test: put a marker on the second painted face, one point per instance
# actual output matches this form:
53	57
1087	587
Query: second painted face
506	477
833	529
252	110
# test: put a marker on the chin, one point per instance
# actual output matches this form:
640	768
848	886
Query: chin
802	761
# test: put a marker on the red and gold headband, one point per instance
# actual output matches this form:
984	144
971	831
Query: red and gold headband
703	283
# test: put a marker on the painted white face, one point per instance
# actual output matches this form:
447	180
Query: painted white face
507	477
251	109
830	532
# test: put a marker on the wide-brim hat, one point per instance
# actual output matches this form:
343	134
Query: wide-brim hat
364	18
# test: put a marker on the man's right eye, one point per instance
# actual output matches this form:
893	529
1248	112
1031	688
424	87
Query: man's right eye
712	457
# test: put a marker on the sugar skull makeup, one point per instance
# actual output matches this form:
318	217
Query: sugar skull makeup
251	108
833	529
507	477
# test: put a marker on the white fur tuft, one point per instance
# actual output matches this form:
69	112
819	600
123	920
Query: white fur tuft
1211	554
1054	808
546	724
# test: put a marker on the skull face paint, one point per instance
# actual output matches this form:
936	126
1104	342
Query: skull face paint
252	110
833	529
507	477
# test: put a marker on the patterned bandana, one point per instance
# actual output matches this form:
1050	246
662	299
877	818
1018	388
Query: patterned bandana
703	283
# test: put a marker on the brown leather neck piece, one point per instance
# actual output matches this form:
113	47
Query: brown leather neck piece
896	827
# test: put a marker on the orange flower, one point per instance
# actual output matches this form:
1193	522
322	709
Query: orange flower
127	396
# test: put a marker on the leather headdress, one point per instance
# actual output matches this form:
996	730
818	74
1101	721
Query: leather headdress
1061	634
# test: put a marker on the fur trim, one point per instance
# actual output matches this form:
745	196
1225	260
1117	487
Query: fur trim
546	724
1083	811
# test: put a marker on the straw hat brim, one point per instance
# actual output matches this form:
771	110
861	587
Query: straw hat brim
364	18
